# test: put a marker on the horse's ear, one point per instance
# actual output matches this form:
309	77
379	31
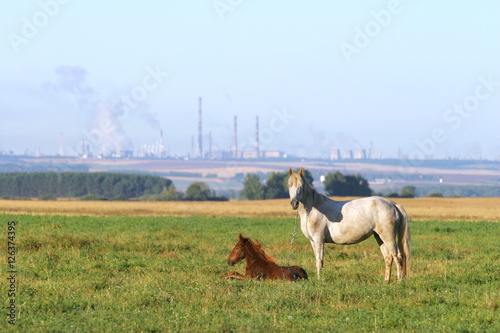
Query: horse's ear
240	236
301	171
290	172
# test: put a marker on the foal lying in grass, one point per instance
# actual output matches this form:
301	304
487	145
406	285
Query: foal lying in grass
260	265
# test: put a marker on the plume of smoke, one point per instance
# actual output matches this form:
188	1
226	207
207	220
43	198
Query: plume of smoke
72	79
321	141
151	119
105	118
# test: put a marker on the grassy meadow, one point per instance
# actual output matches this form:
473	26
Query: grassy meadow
161	273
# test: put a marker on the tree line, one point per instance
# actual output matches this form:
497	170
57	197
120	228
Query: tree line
103	185
78	184
98	186
411	191
276	185
338	184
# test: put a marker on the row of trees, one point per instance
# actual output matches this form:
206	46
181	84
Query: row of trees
337	184
197	191
411	191
408	191
276	185
77	184
92	186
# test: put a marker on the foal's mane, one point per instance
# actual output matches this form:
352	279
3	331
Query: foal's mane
258	251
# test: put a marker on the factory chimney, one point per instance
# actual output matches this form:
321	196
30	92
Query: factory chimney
257	137
200	140
235	142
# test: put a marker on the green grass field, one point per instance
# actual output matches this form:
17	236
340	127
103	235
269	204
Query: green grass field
162	274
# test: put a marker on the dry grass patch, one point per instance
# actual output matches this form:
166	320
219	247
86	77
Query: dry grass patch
468	209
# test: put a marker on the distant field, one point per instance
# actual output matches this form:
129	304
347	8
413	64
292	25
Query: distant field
445	209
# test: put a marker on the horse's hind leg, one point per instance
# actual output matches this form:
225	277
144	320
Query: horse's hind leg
392	247
387	258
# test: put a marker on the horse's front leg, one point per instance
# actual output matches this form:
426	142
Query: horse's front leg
233	275
318	248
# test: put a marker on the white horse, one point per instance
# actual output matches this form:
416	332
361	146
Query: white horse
323	220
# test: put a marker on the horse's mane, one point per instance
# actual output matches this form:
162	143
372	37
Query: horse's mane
313	190
306	183
259	252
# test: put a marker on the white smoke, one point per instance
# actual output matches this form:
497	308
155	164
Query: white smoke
105	118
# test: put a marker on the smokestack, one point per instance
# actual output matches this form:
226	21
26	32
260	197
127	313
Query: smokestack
200	140
257	136
235	135
61	144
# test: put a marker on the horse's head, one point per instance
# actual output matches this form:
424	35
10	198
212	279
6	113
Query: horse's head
296	187
238	252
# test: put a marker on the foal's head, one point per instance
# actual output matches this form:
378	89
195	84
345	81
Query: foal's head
238	252
296	187
245	247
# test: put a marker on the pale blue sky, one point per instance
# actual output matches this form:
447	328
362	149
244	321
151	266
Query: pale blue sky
394	84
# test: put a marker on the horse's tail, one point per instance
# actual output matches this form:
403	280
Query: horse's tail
404	240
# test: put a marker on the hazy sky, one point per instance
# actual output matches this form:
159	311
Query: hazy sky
423	76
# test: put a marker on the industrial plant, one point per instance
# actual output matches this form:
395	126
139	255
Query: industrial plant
235	152
118	145
114	143
358	154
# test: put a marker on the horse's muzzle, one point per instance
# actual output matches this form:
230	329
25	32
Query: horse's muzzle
230	262
294	204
